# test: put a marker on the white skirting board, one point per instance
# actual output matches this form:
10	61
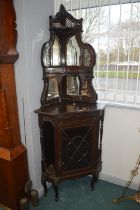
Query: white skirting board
118	181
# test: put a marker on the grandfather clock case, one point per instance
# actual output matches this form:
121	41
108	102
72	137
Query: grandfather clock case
70	120
13	157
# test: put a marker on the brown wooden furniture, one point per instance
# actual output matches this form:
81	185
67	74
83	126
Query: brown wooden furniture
70	120
13	164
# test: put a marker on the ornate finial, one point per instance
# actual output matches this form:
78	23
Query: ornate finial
62	8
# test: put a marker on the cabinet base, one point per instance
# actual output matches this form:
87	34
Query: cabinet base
51	177
13	176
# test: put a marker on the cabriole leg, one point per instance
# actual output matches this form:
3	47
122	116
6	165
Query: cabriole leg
94	180
55	187
43	181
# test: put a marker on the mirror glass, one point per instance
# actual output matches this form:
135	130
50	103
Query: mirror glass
55	53
73	52
73	85
45	55
53	88
84	89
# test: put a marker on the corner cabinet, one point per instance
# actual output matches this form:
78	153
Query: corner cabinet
70	120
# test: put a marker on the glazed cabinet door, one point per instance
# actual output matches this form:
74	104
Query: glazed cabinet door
77	146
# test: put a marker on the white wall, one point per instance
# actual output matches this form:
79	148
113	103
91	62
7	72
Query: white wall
121	140
33	31
121	144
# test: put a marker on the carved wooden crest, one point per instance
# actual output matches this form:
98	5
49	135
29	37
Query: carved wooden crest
67	62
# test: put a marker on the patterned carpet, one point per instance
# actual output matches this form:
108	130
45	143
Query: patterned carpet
76	195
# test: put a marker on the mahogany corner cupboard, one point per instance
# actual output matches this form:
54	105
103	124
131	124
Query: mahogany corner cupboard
70	119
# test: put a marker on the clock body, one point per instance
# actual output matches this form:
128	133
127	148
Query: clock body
13	157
